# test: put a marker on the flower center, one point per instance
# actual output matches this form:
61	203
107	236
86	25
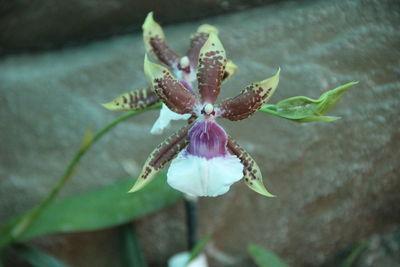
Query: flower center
184	61
208	110
184	64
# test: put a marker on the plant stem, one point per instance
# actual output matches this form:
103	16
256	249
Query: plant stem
29	218
131	250
191	221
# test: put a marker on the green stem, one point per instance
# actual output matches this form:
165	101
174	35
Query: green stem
131	250
29	218
191	210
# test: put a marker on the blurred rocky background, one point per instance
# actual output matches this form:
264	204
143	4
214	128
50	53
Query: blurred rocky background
337	183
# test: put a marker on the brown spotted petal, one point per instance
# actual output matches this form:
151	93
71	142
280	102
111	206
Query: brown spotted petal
176	96
249	100
197	41
155	42
134	100
160	156
251	172
212	60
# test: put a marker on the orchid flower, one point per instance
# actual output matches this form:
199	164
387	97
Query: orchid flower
183	68
205	160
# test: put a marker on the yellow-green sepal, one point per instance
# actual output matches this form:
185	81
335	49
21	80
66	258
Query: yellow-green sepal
151	29
269	85
251	172
259	187
253	179
134	100
154	71
207	28
230	70
146	176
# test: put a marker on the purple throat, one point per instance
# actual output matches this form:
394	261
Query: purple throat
207	139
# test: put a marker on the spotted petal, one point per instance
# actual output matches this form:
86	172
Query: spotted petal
251	172
160	156
155	42
134	100
249	100
210	73
176	96
197	41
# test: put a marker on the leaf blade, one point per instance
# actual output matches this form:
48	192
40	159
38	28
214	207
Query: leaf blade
106	207
265	258
354	255
38	258
196	251
305	109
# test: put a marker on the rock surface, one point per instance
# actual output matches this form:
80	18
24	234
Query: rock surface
337	183
380	249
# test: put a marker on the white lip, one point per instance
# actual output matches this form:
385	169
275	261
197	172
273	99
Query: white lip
198	176
165	118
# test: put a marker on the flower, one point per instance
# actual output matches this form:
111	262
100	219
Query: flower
183	68
205	160
181	259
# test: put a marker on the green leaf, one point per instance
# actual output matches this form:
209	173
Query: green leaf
106	207
38	258
304	109
355	253
12	230
132	254
265	258
198	248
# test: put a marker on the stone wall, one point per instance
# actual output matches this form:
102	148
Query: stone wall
337	183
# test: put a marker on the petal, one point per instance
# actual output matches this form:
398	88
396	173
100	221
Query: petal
251	172
199	176
160	156
212	60
176	96
181	260
197	41
154	41
230	70
165	118
249	100
134	100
